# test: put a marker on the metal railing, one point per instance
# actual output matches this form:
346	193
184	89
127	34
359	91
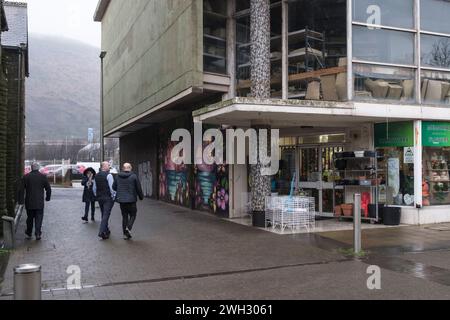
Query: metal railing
10	225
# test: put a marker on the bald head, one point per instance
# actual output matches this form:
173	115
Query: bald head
106	166
35	166
127	167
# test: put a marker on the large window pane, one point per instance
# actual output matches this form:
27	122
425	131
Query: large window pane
383	45
383	83
436	87
435	15
435	51
397	13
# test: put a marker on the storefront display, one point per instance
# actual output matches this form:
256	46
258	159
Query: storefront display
395	141
436	157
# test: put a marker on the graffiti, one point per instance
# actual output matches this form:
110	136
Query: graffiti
146	178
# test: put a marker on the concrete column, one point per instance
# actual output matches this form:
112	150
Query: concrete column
260	49
260	88
231	48
285	49
418	163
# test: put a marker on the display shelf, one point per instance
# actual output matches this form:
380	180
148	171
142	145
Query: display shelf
373	173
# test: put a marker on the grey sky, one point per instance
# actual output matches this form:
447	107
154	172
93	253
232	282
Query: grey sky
65	18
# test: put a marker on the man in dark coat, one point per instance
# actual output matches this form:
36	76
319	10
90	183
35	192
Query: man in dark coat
31	193
105	195
88	194
128	189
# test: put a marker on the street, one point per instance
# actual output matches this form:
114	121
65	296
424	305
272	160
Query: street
182	254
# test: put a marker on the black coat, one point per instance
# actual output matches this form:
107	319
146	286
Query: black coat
31	191
128	188
88	193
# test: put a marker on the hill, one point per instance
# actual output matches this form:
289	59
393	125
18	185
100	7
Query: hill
63	90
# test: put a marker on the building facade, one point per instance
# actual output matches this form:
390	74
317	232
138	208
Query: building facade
14	45
344	76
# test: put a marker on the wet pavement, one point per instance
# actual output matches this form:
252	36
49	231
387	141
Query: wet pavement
181	254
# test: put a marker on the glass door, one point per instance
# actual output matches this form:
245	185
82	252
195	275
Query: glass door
316	177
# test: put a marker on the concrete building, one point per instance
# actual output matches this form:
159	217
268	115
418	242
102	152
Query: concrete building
14	45
338	76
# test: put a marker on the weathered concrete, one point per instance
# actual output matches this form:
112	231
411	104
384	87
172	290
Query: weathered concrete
154	52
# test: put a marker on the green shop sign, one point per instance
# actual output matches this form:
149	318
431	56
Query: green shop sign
436	134
394	134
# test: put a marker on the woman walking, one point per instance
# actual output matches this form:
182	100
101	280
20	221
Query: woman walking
88	194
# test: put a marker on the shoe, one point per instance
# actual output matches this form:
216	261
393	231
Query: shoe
93	219
85	220
38	237
127	235
104	236
108	233
28	236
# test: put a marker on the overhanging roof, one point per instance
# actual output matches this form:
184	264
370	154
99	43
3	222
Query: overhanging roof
102	6
244	112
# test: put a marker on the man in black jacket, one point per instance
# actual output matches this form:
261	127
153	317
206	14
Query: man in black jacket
31	193
128	189
105	195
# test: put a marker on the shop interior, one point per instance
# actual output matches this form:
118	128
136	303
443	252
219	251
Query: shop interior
320	164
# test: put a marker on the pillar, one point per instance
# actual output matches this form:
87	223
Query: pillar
260	88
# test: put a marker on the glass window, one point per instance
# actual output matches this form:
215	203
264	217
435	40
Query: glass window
435	15
214	36
380	45
436	87
396	176
384	83
435	51
436	175
317	42
398	13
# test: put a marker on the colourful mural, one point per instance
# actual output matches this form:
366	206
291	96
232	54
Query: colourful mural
202	187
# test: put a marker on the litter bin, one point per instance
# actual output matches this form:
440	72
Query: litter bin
392	216
27	282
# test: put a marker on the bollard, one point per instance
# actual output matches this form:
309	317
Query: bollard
27	282
357	224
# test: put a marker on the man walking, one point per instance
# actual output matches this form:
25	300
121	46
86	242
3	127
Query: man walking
128	190
31	193
105	195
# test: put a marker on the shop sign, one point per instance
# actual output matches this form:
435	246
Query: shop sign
408	155
395	134
436	134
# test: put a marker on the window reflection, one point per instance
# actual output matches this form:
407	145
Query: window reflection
392	13
435	15
435	51
436	87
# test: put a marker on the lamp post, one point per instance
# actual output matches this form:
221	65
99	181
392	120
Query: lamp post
102	134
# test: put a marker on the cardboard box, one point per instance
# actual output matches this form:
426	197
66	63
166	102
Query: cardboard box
329	88
341	86
313	92
379	88
408	89
395	91
434	91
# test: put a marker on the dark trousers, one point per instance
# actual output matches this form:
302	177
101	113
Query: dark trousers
105	208
90	205
129	213
35	218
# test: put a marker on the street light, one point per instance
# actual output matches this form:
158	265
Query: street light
102	134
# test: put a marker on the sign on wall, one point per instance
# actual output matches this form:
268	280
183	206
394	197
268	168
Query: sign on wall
394	134
436	134
408	155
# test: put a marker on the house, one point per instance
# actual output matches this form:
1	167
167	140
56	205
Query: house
334	76
14	45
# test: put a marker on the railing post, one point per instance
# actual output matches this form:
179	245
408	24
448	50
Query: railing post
8	232
357	224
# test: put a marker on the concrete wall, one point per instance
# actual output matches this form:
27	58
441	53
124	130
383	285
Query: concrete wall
141	148
154	51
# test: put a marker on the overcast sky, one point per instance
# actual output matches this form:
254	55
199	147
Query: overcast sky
65	18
